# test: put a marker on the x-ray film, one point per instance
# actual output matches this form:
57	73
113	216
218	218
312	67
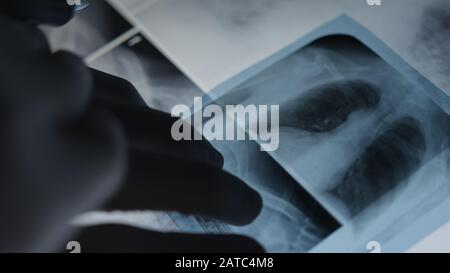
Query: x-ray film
366	142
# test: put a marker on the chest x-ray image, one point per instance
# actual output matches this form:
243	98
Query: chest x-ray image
354	132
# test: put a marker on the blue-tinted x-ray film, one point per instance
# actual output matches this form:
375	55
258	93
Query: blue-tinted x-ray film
375	138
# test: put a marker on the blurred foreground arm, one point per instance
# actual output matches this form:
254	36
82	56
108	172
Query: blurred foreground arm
75	139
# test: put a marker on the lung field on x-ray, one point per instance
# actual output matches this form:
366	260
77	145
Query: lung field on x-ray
324	108
391	158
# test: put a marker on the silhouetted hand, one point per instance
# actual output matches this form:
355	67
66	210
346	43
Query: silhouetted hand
63	153
168	175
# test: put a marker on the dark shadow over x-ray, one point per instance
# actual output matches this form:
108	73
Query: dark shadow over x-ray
291	219
160	83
